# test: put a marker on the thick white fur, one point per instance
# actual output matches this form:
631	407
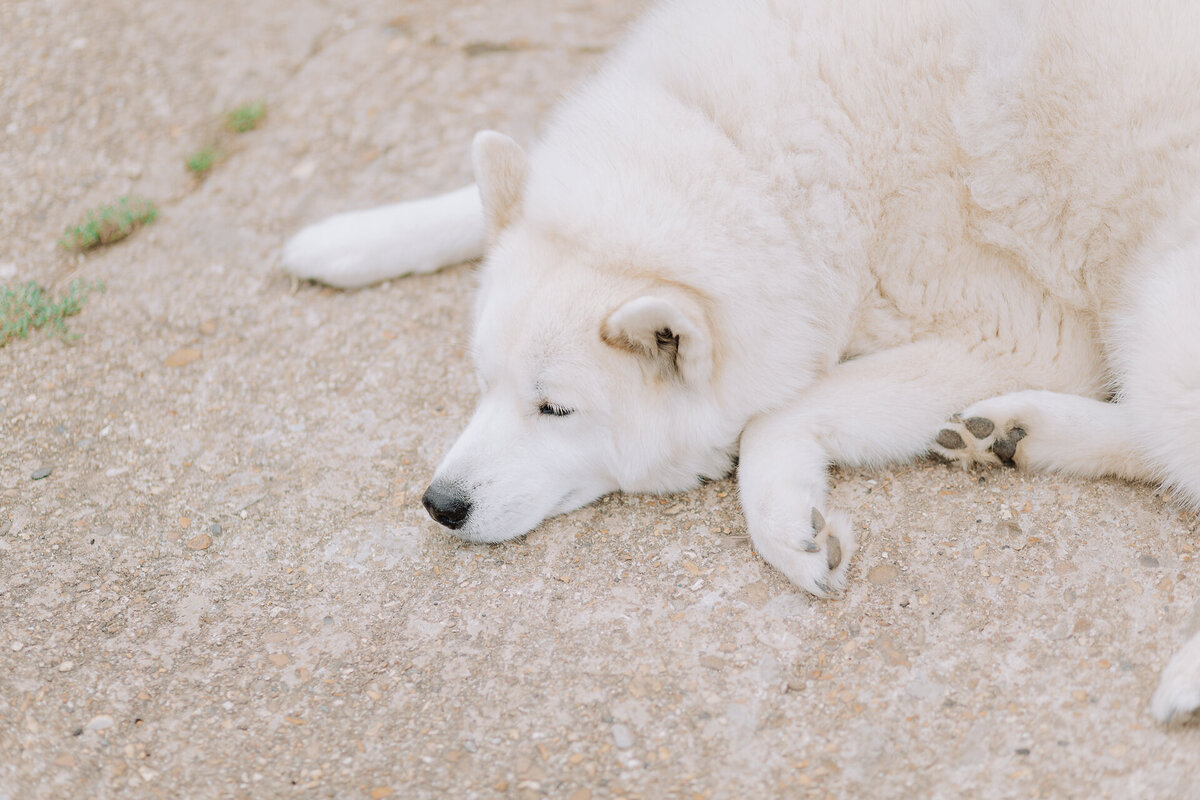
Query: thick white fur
817	229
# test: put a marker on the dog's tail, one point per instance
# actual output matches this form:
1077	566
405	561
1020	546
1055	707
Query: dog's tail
364	247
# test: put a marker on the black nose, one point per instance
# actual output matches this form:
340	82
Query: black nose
447	504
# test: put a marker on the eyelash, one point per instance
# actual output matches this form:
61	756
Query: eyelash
551	410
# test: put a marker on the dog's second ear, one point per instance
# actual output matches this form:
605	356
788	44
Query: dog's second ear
500	170
669	335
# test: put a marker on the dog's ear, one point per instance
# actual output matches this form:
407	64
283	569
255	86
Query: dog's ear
500	170
671	336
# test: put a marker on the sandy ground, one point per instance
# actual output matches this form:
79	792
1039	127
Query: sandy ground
226	587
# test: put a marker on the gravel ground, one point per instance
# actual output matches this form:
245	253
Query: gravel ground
226	586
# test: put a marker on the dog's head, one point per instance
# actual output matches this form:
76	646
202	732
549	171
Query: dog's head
593	380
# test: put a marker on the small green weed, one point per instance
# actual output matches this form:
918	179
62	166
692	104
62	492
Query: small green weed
201	161
108	224
29	307
246	118
240	120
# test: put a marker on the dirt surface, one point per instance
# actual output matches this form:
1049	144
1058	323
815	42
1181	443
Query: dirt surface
226	586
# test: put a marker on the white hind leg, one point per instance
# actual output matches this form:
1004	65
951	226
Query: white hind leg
1156	347
1177	698
364	247
1045	431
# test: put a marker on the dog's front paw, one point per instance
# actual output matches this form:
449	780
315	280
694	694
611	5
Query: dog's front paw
985	433
1177	698
813	552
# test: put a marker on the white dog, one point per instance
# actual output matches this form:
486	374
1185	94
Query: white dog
808	232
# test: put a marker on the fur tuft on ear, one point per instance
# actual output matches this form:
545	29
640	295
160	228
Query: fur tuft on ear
500	170
673	342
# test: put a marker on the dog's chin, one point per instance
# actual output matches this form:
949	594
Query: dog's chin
484	534
513	525
483	528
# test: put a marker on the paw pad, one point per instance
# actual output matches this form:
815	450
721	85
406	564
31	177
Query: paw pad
979	440
833	552
1005	447
980	427
951	440
833	547
818	525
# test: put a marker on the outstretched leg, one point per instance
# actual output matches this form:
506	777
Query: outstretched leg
1156	347
874	410
364	247
1050	431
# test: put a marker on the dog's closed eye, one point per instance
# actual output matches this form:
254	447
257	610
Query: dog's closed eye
549	409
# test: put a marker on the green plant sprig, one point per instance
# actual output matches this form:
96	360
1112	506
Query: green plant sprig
30	307
109	223
246	117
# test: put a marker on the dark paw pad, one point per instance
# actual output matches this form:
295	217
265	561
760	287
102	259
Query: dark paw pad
818	525
833	553
980	427
1005	447
951	440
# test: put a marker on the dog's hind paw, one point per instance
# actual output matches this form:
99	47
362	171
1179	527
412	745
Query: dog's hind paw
1177	699
815	554
359	248
980	435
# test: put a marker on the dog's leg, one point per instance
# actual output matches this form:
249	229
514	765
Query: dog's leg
1177	698
869	411
363	247
1156	349
1048	431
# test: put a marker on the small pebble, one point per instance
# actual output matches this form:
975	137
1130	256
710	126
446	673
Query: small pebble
182	357
214	529
17	646
199	542
41	472
882	573
66	666
100	723
622	737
